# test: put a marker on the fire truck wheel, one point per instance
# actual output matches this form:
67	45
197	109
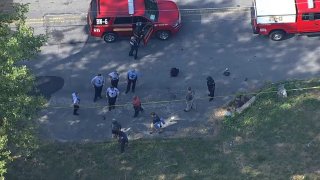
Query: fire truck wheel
110	37
163	35
277	35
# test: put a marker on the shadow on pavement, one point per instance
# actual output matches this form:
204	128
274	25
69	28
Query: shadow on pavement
48	85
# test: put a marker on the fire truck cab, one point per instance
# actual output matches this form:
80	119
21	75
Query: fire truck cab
277	18
110	19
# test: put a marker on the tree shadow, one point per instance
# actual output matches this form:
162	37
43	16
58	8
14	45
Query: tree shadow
48	85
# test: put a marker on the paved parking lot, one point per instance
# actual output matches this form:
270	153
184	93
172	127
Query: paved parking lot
207	44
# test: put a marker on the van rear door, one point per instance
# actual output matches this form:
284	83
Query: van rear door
309	22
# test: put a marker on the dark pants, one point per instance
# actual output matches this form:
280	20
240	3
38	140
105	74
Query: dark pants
112	102
115	133
123	143
134	48
137	109
211	93
114	82
97	92
133	82
75	109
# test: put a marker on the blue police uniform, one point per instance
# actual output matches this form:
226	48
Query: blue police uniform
132	77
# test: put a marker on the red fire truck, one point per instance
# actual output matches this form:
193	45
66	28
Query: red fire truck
110	19
277	18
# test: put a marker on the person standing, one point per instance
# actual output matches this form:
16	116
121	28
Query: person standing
112	94
123	140
115	128
134	42
76	103
136	106
189	100
132	77
114	77
211	87
97	82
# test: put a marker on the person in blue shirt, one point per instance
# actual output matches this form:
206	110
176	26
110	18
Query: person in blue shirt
97	82
157	123
132	77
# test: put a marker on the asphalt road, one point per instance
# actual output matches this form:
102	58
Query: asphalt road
207	44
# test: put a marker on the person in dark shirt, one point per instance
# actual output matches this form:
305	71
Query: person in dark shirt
211	87
123	140
115	128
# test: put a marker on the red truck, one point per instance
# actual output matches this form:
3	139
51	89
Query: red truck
110	19
277	18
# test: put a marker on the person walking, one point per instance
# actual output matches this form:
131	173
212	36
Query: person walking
189	100
115	128
211	87
112	94
76	103
97	82
114	77
134	42
136	106
132	77
123	140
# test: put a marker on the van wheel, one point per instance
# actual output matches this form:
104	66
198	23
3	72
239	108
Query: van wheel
110	37
277	35
163	35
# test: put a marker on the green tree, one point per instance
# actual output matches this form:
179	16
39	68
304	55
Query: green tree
18	107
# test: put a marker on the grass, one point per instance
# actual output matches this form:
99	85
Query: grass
274	139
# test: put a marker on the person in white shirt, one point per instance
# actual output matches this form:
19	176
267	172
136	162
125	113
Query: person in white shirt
134	43
97	82
132	77
112	94
190	100
114	77
76	103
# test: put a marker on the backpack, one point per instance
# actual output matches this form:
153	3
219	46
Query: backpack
174	72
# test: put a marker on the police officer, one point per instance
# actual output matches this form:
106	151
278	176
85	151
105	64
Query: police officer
76	103
97	82
112	94
114	77
211	87
134	42
132	77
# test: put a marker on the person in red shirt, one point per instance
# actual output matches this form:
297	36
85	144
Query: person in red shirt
136	106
